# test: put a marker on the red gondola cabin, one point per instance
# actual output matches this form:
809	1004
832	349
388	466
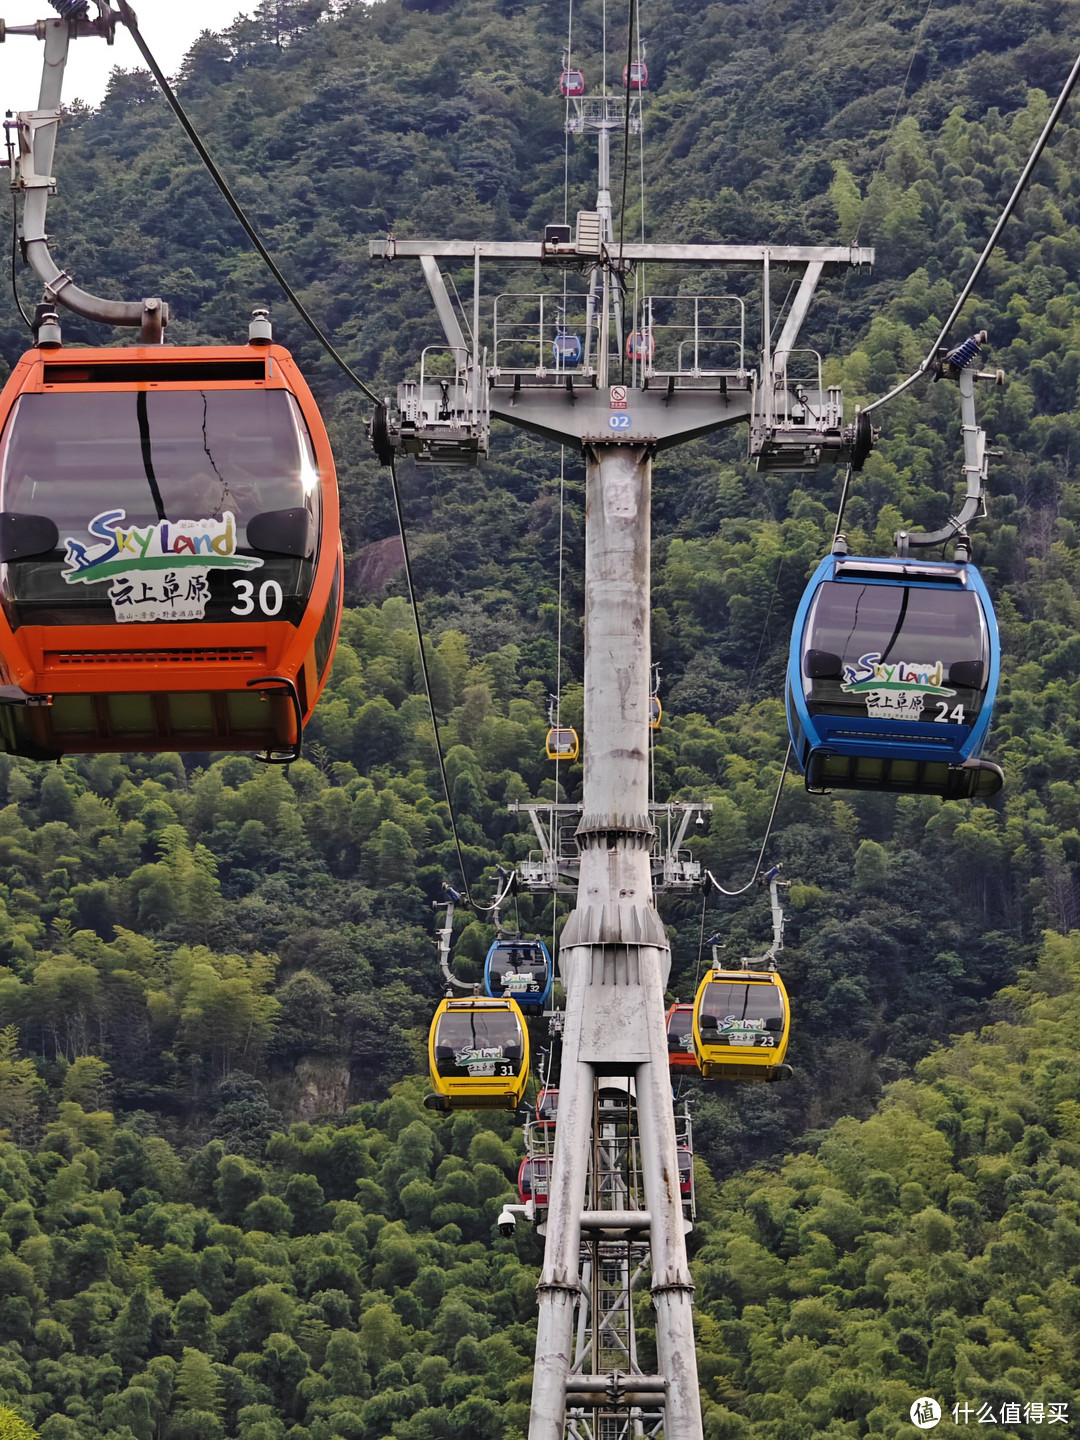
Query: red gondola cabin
680	1037
534	1179
639	346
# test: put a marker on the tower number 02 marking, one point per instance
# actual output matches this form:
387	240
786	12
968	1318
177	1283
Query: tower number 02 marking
270	598
619	421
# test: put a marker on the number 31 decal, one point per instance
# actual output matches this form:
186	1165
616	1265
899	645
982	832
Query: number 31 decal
270	597
942	717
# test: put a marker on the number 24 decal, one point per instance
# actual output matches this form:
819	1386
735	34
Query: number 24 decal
270	597
943	716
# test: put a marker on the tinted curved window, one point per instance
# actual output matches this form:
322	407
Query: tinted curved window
679	1027
547	1105
475	1044
519	970
740	1012
153	495
896	652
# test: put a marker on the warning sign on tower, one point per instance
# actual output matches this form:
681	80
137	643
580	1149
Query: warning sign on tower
618	397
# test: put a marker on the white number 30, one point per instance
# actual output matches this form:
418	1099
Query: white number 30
270	597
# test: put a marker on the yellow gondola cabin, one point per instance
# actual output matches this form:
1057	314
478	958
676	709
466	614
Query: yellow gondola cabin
562	743
478	1055
742	1022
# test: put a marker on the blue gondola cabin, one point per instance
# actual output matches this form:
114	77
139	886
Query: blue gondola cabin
892	677
521	969
566	350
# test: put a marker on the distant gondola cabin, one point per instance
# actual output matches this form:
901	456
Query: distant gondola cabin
566	350
680	1037
478	1055
562	743
639	346
635	76
685	1157
547	1105
534	1179
656	712
571	84
521	969
742	1022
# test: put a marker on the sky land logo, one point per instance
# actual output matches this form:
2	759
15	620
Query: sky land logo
168	545
160	571
471	1056
868	674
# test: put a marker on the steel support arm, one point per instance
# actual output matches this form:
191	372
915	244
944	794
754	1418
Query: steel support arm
36	166
392	248
435	283
975	470
797	313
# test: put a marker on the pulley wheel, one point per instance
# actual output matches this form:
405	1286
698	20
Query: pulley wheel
380	436
864	440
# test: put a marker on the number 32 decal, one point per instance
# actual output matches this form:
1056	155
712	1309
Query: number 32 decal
270	597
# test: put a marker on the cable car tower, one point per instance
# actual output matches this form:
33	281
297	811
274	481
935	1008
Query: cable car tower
693	369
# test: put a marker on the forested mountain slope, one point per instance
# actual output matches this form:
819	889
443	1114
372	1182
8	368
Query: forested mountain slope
350	1281
207	951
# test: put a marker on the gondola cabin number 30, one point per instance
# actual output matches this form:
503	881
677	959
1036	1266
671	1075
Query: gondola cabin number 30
171	560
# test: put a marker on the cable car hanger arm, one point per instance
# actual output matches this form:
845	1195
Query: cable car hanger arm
31	173
975	457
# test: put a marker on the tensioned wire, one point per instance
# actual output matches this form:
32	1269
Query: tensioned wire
991	244
765	840
128	16
558	694
566	125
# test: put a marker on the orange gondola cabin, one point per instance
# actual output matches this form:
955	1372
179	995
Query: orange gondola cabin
170	557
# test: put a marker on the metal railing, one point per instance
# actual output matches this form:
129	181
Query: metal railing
595	112
798	395
524	344
693	336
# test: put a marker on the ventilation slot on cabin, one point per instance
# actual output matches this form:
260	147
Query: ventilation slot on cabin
223	656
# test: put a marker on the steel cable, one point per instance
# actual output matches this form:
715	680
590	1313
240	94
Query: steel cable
427	682
765	841
989	247
128	17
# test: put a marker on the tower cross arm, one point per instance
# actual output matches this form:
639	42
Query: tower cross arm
391	248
